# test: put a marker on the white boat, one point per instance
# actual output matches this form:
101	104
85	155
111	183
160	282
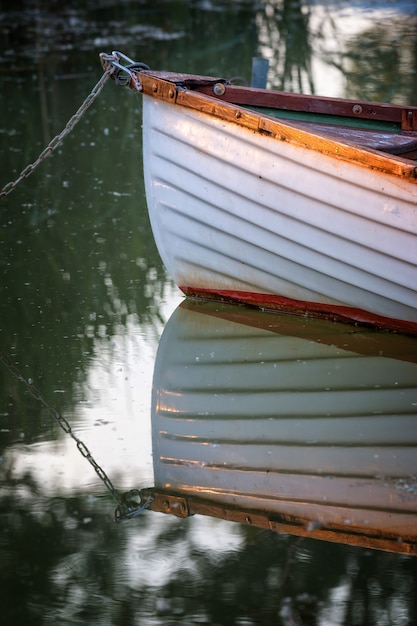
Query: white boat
283	201
301	426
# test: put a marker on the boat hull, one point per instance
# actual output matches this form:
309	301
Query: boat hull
240	215
278	418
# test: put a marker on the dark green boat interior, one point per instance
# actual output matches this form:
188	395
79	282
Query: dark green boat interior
322	118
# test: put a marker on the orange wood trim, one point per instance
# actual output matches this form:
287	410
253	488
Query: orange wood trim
279	130
289	131
184	504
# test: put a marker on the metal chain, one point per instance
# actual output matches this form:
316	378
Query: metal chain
122	74
56	141
63	423
127	506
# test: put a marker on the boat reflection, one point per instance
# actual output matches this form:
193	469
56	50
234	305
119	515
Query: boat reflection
301	426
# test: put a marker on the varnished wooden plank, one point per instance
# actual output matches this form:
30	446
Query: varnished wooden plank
220	109
391	142
158	88
295	133
409	118
178	505
291	131
249	96
346	150
406	116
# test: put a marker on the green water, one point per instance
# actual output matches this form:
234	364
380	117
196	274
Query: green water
84	300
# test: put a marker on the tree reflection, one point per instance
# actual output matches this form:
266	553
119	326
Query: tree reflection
79	263
279	579
377	64
53	551
63	560
285	39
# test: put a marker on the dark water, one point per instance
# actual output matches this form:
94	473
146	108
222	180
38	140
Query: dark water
85	298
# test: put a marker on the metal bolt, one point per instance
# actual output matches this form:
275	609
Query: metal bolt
357	109
219	89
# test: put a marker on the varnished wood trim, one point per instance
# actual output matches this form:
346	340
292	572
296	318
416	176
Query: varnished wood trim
182	505
249	96
409	118
279	130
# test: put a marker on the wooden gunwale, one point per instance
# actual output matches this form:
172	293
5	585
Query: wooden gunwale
199	100
376	111
185	505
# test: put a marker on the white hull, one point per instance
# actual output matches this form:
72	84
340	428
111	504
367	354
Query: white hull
249	418
237	212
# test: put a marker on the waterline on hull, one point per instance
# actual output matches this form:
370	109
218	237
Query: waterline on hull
271	302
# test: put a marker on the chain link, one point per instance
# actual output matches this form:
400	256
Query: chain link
63	423
127	505
122	74
56	141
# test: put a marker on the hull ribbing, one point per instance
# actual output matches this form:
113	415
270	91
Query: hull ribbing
235	211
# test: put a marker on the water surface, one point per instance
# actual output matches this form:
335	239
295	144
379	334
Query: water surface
85	299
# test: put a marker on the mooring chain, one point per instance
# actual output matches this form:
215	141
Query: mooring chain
122	74
127	506
56	141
